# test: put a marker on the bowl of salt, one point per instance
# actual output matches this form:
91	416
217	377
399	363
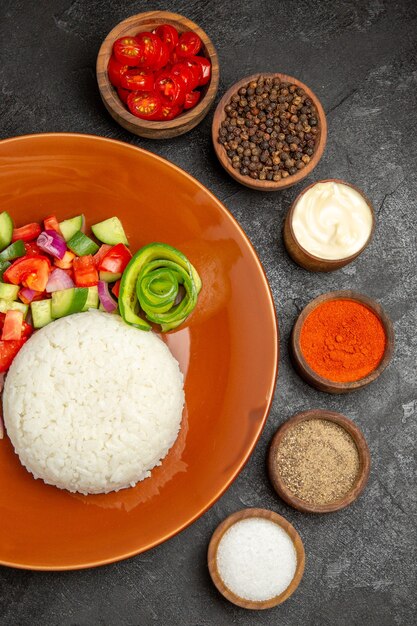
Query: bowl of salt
256	559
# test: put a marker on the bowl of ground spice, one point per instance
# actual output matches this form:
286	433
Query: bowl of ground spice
269	131
319	461
342	341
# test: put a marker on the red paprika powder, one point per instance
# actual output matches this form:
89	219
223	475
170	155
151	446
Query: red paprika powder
343	340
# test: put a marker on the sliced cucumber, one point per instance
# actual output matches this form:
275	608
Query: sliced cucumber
68	301
81	245
109	277
14	251
8	292
70	227
41	313
110	231
3	267
8	305
6	230
92	299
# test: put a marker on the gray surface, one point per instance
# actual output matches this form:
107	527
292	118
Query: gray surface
361	60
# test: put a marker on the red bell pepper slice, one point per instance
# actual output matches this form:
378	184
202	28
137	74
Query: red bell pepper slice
116	259
27	233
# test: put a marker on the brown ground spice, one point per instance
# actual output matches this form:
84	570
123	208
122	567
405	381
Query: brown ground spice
318	461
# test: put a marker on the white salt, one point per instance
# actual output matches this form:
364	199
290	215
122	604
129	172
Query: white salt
256	559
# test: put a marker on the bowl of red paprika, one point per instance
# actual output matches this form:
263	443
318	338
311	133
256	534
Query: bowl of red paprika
164	97
342	341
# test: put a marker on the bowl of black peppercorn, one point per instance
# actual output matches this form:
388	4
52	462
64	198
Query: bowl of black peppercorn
269	131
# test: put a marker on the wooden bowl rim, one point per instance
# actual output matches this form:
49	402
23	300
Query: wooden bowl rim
212	557
317	379
333	263
364	461
267	185
114	102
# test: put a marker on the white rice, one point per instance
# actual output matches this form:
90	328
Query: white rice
92	404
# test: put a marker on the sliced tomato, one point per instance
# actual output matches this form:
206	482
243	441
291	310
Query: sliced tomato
191	99
195	68
12	327
163	57
150	46
8	351
51	223
184	73
85	272
99	256
123	94
27	329
116	259
116	288
189	44
137	80
128	51
32	249
146	104
168	34
66	262
168	112
170	88
27	233
205	69
115	71
29	271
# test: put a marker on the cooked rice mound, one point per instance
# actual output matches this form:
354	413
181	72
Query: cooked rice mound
92	404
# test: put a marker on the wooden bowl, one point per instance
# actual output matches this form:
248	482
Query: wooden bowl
267	185
300	254
318	381
144	128
364	462
212	558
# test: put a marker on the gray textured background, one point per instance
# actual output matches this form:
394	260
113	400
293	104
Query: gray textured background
360	57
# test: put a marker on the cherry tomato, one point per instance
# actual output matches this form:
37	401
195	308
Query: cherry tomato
32	249
191	99
123	94
186	76
168	34
8	351
196	70
29	271
12	327
163	57
189	44
127	51
147	105
150	46
51	223
116	259
170	88
174	58
137	80
115	71
168	112
27	233
85	272
205	69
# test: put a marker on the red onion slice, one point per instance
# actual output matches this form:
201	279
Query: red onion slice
59	279
106	298
51	242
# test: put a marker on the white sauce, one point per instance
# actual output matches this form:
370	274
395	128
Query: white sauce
332	220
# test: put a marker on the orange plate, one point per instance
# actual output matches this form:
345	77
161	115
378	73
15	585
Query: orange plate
227	350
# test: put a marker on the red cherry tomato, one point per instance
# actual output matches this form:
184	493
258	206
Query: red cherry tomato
127	50
12	327
186	76
168	34
163	57
205	69
196	69
191	99
170	88
115	71
8	350
189	44
150	46
137	80
116	259
32	249
27	233
85	272
146	104
168	112
123	94
29	271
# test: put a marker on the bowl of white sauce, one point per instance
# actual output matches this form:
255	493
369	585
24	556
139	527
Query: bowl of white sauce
328	225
